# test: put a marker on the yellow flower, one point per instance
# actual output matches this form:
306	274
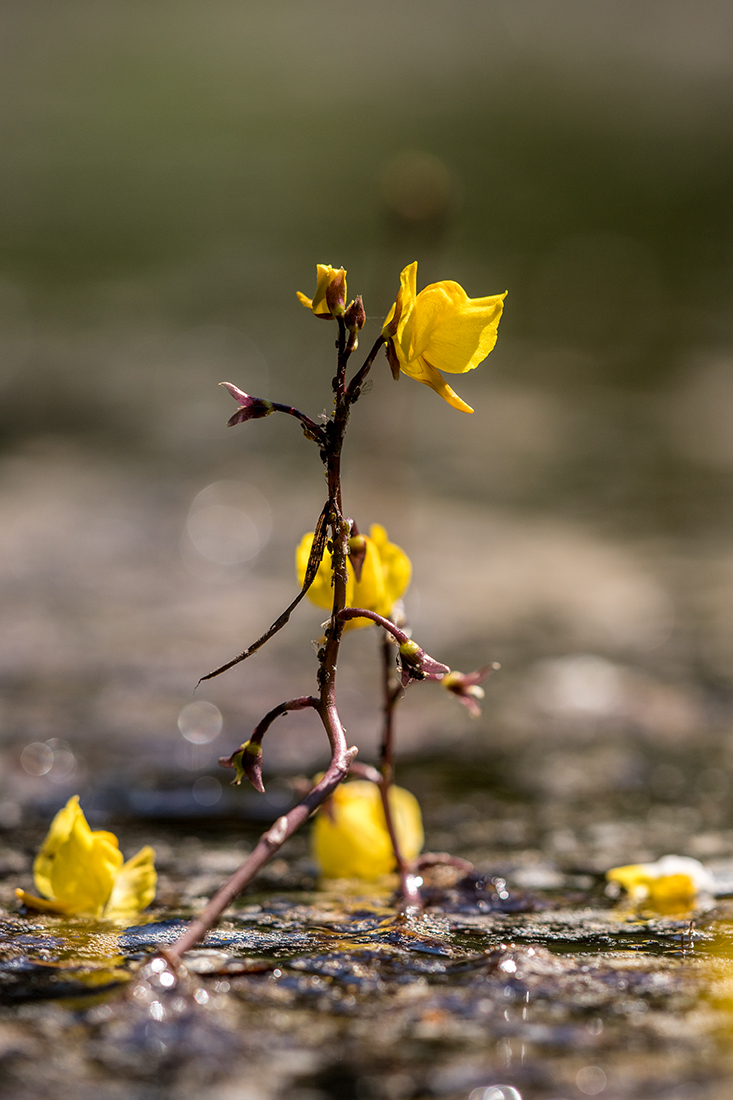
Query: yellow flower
669	880
78	871
384	577
350	838
440	328
329	299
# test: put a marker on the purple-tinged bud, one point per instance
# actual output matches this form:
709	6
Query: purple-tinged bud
336	293
465	686
246	761
357	554
416	664
355	316
250	408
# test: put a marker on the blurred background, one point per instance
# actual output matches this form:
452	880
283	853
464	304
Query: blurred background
171	174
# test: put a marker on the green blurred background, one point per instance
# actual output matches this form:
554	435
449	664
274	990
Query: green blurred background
172	172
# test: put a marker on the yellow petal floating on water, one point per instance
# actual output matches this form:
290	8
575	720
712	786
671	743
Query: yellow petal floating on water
350	838
134	887
78	871
671	879
75	866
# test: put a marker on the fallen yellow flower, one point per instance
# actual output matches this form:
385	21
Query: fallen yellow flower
329	299
385	572
78	871
350	838
440	328
670	879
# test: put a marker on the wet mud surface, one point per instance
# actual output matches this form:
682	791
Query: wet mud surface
331	993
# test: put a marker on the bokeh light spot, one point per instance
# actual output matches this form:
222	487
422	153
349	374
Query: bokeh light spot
200	722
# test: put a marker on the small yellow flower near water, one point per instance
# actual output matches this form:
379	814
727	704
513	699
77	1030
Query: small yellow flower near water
671	879
385	574
80	872
440	328
350	838
329	299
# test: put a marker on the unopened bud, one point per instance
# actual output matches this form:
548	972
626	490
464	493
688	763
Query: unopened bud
355	316
246	761
250	408
357	554
336	293
416	664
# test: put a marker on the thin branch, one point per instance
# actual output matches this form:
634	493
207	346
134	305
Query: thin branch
354	387
314	560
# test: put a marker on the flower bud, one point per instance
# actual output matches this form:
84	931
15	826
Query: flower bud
336	293
465	686
355	316
250	408
416	664
329	299
246	761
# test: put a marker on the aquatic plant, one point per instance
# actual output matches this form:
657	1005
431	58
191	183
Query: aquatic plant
360	579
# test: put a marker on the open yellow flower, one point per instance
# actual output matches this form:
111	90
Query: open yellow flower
78	871
671	879
440	328
383	579
329	299
350	838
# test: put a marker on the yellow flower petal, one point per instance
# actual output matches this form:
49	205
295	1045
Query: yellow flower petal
134	887
671	878
396	565
76	867
41	905
81	872
440	328
321	591
385	575
350	838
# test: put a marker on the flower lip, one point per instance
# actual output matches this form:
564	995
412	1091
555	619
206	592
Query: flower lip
439	329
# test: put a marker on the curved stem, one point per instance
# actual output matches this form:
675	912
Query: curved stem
364	613
248	758
266	847
312	430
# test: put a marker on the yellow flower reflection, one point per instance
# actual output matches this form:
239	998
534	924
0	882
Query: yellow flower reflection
78	871
671	881
384	575
350	838
329	299
440	328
